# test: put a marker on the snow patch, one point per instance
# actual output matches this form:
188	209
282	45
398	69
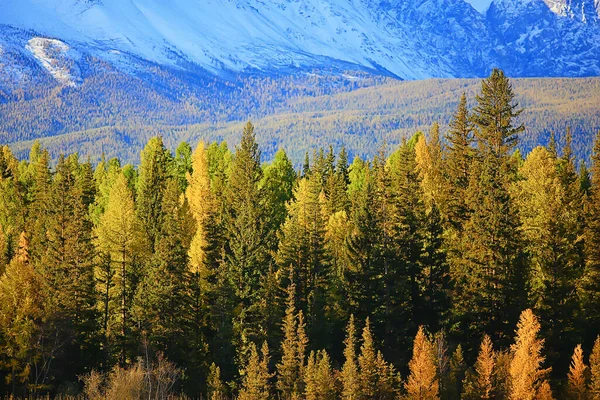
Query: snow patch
53	56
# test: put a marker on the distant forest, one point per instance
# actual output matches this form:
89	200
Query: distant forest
115	113
449	266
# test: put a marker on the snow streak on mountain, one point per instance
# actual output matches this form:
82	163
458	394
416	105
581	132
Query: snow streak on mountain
409	39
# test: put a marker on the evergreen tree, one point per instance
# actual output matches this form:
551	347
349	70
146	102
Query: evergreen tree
255	385
458	162
491	270
67	270
278	184
577	376
216	388
302	248
591	278
367	362
289	369
406	274
119	236
480	384
526	374
456	375
336	186
153	172
422	382
182	164
162	300
350	376
319	383
595	371
436	272
246	231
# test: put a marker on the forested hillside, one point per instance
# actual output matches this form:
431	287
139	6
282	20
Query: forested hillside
117	114
448	266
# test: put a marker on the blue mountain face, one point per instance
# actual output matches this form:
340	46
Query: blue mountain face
408	39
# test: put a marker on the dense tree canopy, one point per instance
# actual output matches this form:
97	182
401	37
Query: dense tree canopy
212	274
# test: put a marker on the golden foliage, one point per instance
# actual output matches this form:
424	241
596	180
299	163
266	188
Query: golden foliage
526	373
422	383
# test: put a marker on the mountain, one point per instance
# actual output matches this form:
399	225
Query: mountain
407	39
104	75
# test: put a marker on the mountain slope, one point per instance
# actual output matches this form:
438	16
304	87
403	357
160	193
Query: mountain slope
409	39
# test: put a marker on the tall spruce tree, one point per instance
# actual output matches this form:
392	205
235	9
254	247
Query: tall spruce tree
480	382
591	278
577	385
301	253
350	376
247	235
527	377
154	169
407	273
458	162
278	184
595	370
256	375
491	270
120	237
422	382
551	229
67	270
161	302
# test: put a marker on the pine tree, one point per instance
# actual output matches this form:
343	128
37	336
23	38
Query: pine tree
591	278
216	388
67	268
551	229
256	376
153	172
205	248
319	382
247	235
182	164
436	282
458	162
302	248
422	382
490	270
526	373
119	236
278	184
456	375
595	371
350	374
162	300
289	369
577	376
367	361
429	164
405	273
481	383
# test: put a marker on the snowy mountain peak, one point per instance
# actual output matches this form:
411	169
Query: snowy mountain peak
586	11
408	39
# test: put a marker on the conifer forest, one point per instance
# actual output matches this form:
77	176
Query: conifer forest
450	267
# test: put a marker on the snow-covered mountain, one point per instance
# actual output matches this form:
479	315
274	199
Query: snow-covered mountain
409	39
